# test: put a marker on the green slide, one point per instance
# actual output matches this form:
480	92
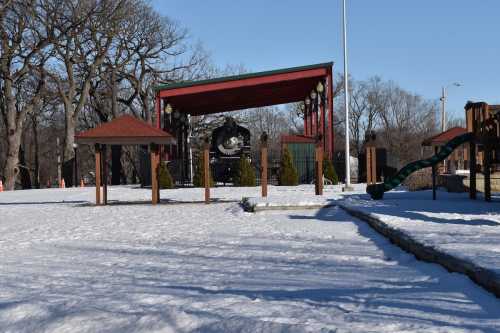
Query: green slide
376	191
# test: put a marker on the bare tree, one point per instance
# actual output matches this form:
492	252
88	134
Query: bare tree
95	24
405	121
26	37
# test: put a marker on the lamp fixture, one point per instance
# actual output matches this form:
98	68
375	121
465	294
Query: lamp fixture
320	88
313	95
168	108
307	101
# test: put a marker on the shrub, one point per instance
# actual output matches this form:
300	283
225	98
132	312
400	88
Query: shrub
198	177
164	177
419	180
329	172
245	174
288	174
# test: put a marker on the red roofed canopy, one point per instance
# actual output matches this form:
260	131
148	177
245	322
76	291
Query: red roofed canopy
442	138
125	130
311	84
244	91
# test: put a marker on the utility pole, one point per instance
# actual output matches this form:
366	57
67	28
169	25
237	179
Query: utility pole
347	186
444	96
443	110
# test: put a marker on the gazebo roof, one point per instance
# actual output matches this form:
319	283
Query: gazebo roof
442	138
244	91
125	130
297	139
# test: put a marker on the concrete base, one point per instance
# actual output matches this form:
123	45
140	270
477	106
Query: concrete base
347	189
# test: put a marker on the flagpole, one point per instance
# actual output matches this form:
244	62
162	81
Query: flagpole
346	101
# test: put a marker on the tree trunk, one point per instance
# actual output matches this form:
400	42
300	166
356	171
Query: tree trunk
23	171
37	153
69	150
11	169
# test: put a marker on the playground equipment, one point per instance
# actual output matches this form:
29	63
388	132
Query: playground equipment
483	136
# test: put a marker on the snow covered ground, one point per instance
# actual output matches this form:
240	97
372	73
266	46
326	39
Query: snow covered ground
68	266
453	223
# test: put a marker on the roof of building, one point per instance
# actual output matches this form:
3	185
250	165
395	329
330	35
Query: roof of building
124	130
444	137
244	91
243	76
297	139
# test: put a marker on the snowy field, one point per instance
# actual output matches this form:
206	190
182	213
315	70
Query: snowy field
453	223
68	266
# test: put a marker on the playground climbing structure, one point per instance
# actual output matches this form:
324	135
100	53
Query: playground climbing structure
483	136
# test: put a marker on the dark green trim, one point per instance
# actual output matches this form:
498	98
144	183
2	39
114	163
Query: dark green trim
240	77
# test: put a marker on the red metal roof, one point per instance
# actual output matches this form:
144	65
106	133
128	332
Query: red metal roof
244	91
297	139
125	129
444	137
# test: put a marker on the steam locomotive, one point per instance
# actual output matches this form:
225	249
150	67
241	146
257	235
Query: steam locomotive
229	142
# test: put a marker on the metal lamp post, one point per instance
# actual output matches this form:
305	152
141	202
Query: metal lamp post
443	103
347	186
444	95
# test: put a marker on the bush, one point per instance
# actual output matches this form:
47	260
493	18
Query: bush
288	174
198	178
329	172
245	174
419	180
164	177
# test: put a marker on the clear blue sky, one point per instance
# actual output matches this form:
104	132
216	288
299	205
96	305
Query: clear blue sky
420	44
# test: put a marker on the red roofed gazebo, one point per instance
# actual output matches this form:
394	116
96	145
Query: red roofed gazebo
124	130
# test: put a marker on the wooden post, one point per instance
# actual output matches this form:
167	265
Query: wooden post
206	170
319	168
104	175
472	170
154	174
263	164
487	173
97	174
434	172
371	165
368	165
374	164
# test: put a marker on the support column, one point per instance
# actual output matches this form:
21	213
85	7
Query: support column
319	168
97	174
206	170
306	122
434	175
314	119
263	164
158	110
487	173
472	170
371	165
104	175
310	116
322	122
155	192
